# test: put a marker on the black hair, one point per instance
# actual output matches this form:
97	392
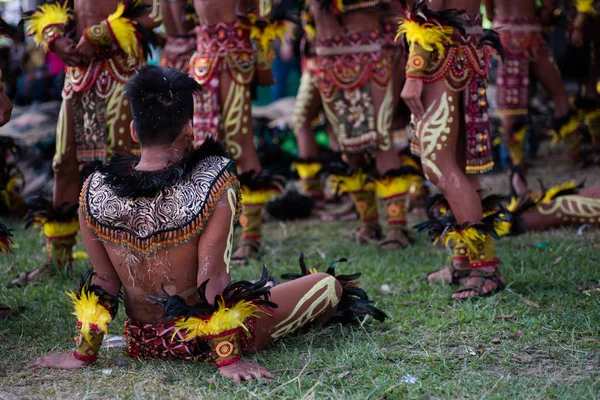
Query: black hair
162	103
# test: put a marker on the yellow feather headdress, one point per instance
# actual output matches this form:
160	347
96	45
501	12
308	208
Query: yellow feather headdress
45	16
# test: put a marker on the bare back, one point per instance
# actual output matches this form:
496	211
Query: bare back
470	6
174	18
512	8
142	277
211	12
328	25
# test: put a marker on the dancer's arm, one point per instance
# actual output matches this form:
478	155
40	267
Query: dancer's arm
214	255
99	307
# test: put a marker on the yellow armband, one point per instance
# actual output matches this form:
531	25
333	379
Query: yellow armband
115	29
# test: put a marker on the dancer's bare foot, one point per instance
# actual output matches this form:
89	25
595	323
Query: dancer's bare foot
518	184
37	274
457	273
396	238
248	249
482	282
368	233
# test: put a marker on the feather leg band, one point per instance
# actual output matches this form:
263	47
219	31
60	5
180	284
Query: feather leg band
5	240
354	306
222	322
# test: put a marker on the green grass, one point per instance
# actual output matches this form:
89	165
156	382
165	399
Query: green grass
447	347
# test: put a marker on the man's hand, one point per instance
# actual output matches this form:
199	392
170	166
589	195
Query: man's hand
411	94
85	48
62	361
5	108
245	371
66	49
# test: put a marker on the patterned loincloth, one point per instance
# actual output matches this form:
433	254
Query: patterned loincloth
96	94
162	341
349	69
177	52
523	44
464	68
220	48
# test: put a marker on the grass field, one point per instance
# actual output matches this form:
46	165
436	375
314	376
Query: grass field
540	338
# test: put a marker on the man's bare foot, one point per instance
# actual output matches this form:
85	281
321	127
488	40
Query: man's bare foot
455	274
24	278
482	282
245	371
395	239
366	234
61	361
247	250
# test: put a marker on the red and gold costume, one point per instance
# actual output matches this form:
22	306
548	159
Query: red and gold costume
463	66
347	68
222	48
178	51
94	118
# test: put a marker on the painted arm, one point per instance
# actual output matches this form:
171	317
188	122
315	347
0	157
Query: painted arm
95	304
154	17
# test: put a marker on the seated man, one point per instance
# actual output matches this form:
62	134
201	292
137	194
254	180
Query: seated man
162	225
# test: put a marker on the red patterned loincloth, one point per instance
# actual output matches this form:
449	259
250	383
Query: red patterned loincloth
90	89
159	341
346	68
177	52
220	48
464	68
523	44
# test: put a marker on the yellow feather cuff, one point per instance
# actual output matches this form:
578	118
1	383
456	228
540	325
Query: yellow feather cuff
269	33
59	229
551	193
307	170
502	226
44	18
350	184
393	186
225	319
124	32
469	236
90	312
585	7
253	197
427	35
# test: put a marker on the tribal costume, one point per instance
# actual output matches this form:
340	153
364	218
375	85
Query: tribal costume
94	118
524	46
352	72
449	53
463	66
223	49
178	51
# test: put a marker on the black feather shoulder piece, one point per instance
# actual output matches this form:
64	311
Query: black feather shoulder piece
126	181
354	306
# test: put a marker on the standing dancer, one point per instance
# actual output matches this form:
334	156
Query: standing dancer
227	65
446	91
101	55
181	40
527	55
355	82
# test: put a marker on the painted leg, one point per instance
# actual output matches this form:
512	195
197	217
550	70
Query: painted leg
308	300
